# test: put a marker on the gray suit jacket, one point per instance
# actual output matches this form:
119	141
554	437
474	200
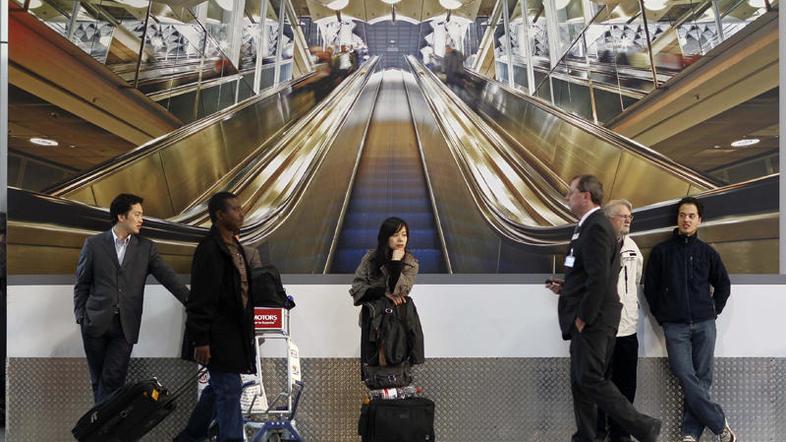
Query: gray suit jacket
102	283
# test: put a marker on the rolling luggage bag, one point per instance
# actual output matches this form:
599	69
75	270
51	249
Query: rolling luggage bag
129	413
397	420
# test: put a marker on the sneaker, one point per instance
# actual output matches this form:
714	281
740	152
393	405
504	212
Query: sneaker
689	438
727	435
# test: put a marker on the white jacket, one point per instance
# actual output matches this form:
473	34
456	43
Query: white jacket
628	286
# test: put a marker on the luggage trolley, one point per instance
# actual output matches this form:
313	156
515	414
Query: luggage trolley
277	423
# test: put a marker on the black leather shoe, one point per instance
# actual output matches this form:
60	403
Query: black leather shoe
652	431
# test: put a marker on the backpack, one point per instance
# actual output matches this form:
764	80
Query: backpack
267	290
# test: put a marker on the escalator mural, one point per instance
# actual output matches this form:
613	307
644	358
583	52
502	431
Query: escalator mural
481	186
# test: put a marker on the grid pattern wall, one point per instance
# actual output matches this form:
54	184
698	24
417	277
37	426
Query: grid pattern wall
490	399
393	41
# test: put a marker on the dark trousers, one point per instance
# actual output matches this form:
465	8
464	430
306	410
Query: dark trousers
220	401
590	356
107	357
622	372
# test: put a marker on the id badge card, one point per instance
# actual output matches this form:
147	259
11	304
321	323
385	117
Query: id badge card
570	260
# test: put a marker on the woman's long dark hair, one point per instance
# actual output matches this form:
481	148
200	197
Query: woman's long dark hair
388	228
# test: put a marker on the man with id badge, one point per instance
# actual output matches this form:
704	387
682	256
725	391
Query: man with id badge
589	315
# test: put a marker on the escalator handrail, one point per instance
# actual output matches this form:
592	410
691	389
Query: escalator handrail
196	210
505	226
295	196
435	209
541	177
626	144
157	144
191	87
38	209
350	186
723	202
30	207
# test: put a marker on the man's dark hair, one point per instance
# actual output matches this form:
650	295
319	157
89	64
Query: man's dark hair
689	200
591	184
121	205
218	202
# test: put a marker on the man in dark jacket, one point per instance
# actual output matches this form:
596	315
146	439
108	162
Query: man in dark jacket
589	314
219	327
687	286
110	291
453	64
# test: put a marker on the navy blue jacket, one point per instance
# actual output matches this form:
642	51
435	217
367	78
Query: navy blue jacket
677	282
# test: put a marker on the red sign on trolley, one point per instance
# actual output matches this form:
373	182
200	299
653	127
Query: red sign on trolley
266	318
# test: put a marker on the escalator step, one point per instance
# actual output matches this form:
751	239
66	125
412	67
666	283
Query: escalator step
367	238
380	192
415	220
347	260
398	205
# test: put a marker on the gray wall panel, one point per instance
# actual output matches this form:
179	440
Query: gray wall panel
478	399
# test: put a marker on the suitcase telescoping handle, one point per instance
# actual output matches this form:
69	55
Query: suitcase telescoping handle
182	388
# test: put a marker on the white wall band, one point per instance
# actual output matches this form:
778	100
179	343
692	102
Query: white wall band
459	321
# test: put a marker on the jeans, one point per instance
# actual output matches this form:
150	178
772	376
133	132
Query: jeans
220	400
691	348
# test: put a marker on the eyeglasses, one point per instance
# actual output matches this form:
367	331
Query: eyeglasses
626	217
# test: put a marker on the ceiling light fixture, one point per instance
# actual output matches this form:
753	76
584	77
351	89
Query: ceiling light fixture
450	4
391	2
44	142
758	4
139	3
655	5
338	5
745	142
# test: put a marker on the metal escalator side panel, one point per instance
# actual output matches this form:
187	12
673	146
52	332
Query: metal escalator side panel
547	131
511	195
180	153
37	219
298	235
327	268
409	80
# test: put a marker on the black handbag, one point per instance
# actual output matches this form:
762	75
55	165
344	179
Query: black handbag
377	377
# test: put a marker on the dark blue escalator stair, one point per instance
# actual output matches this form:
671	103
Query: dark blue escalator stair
367	238
347	260
416	221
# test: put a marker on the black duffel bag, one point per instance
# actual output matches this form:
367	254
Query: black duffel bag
376	377
267	289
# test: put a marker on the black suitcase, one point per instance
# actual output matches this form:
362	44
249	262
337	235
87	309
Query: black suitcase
397	420
129	413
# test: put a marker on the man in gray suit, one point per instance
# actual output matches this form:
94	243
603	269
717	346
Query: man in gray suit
109	293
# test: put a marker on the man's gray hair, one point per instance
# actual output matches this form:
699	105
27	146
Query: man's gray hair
610	208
